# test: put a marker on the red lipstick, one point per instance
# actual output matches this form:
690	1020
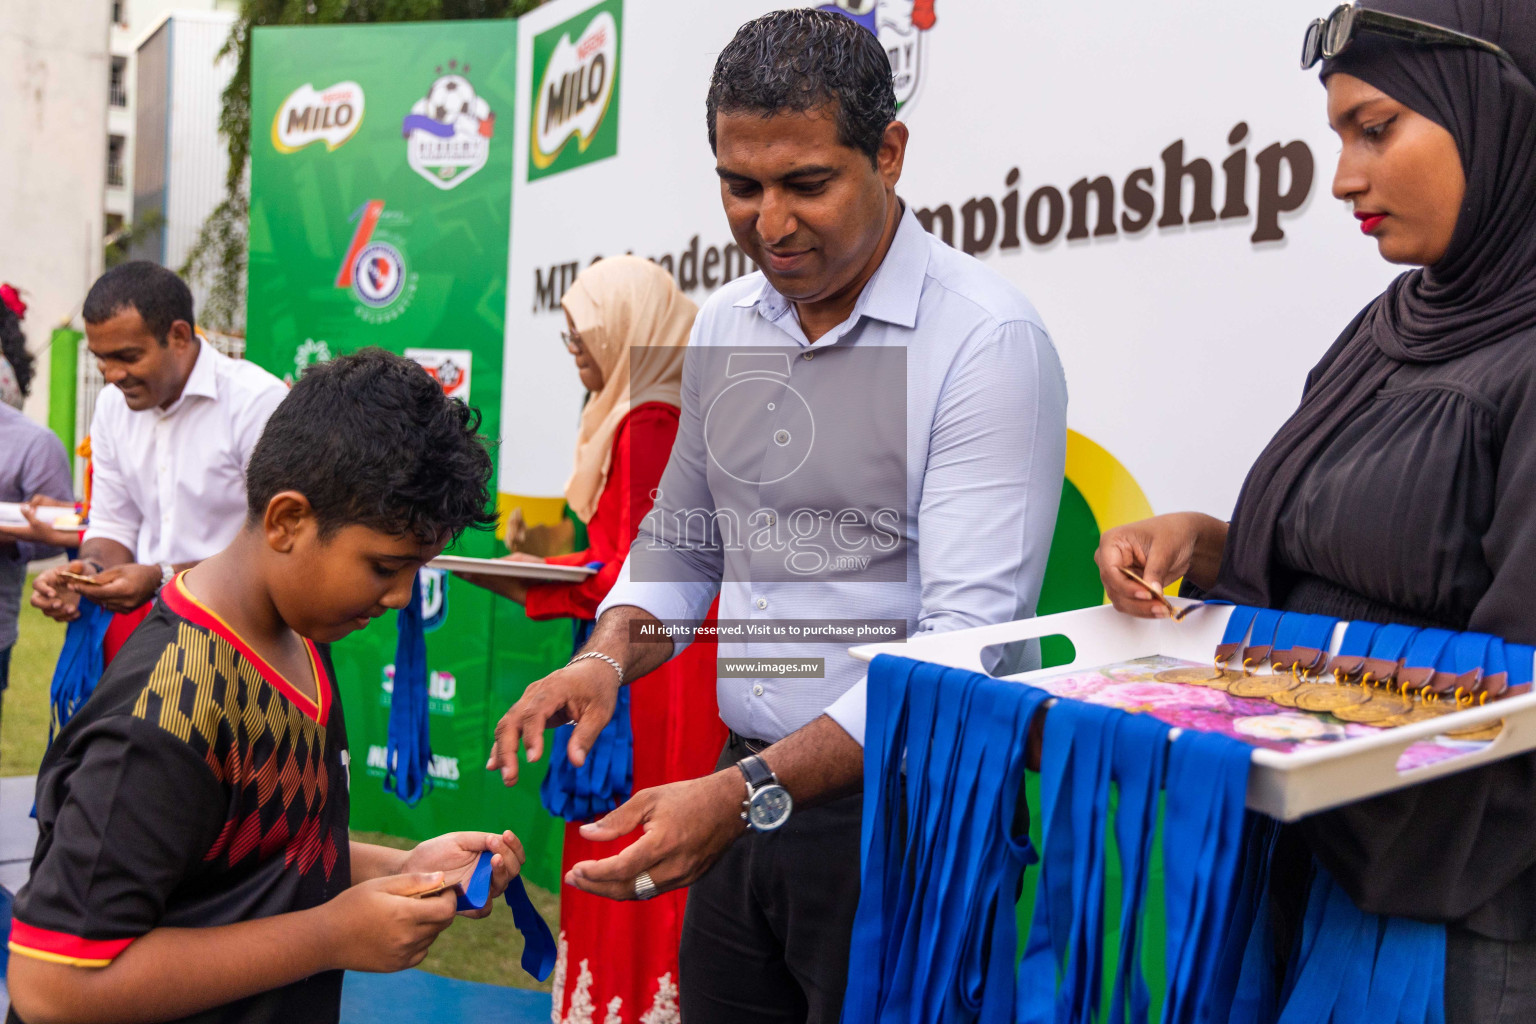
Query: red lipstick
1369	222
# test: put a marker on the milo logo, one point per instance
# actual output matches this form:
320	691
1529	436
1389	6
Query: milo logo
575	108
331	116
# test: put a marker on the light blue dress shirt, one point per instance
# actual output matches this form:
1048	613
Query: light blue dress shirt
926	435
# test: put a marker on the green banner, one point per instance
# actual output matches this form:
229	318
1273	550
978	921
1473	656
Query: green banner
381	168
63	365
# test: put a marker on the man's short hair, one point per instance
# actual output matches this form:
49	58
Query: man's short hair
371	440
160	297
800	60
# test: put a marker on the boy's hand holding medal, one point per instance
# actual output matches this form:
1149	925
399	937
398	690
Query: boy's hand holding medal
455	855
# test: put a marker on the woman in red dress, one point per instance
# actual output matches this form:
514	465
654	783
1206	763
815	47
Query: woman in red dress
628	327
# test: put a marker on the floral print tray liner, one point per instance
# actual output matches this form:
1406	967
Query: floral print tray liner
1133	686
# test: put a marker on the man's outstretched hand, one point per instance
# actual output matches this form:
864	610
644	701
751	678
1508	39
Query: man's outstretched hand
688	826
585	693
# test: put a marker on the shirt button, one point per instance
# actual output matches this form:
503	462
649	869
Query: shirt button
757	691
762	602
809	355
771	519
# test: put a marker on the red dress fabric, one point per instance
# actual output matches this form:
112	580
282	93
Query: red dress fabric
121	628
618	961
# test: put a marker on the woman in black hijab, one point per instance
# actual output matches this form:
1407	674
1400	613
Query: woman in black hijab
1403	489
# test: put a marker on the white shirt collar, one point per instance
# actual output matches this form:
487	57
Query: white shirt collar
202	382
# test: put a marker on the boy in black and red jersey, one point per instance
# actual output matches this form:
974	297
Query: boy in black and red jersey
193	860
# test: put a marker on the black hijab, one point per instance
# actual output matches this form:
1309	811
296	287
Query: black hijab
1482	292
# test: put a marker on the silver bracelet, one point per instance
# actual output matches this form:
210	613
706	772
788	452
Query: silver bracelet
598	654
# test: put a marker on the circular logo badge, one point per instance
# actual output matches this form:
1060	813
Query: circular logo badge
378	275
749	412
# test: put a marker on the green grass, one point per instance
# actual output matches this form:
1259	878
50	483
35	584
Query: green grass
487	950
24	726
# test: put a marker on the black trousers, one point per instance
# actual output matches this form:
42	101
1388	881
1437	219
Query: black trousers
765	936
1488	981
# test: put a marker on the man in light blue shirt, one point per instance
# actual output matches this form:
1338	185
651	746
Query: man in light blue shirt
872	441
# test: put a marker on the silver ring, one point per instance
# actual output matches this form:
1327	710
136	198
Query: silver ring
644	887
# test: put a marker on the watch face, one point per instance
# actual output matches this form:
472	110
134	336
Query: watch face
770	808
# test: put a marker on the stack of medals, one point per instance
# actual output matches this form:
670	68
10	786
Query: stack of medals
1380	691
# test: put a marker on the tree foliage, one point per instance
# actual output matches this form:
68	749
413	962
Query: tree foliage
217	259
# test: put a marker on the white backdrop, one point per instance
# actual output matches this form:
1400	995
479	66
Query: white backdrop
1184	346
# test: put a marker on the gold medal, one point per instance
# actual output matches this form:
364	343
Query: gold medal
1192	675
1285	698
1211	678
1328	697
1371	712
1479	732
1417	712
1262	686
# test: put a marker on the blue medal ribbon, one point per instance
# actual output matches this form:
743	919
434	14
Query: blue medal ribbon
1203	840
1392	641
1139	761
1310	638
1262	640
1426	648
607	777
1518	664
1463	663
539	950
885	740
408	756
1422	659
1354	648
939	882
1388	648
79	667
1358	968
1238	624
1288	632
1479	651
1066	938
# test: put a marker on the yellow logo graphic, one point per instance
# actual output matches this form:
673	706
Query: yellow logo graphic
309	115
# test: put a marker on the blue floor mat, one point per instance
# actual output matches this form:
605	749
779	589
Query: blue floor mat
413	996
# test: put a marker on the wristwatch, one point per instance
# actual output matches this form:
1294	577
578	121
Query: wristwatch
167	573
768	804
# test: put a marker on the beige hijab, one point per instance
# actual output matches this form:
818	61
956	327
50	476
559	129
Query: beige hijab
635	323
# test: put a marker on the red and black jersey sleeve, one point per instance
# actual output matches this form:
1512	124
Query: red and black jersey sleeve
125	818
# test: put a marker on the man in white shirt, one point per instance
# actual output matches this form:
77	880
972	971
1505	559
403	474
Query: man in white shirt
170	438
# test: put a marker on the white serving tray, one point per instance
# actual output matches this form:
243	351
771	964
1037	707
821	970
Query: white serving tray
542	571
1286	786
65	519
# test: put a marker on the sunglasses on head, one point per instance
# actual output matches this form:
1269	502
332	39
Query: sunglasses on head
1328	37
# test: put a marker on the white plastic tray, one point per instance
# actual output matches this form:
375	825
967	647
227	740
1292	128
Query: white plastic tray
1286	786
520	570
